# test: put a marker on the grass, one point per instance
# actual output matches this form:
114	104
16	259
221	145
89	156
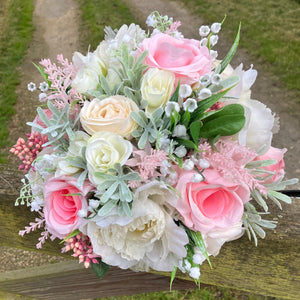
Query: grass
98	14
270	32
207	293
15	35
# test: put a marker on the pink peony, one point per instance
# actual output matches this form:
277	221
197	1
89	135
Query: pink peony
61	208
183	57
278	168
210	205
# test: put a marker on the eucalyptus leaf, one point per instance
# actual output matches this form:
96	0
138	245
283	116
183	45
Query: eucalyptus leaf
107	207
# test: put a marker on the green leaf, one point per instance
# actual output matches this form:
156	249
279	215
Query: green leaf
45	75
229	82
225	62
100	268
226	122
205	104
173	274
195	128
175	95
73	233
185	119
187	144
199	242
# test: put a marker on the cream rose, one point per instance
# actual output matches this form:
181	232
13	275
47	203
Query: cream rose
157	87
110	114
148	239
104	150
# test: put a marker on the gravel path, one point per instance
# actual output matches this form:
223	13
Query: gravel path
57	32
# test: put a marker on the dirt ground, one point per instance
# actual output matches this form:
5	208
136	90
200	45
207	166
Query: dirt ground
56	24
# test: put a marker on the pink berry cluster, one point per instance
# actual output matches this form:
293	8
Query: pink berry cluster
82	248
28	151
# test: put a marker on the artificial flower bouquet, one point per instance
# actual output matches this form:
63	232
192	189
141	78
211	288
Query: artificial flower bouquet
149	152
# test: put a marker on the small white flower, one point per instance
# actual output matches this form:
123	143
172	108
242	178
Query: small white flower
180	151
150	22
31	86
126	38
187	265
198	258
216	79
213	54
178	35
42	97
185	90
164	143
203	42
44	86
215	27
170	106
188	165
195	272
204	30
179	131
197	178
204	163
190	104
82	213
213	40
204	93
94	203
205	80
172	178
155	31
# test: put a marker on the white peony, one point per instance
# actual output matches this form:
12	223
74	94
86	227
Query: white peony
86	80
148	239
258	130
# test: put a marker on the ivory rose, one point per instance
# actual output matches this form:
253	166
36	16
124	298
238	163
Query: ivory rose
157	87
278	167
62	205
210	205
110	114
148	239
104	150
183	57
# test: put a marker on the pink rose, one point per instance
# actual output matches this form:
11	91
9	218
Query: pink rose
278	168
184	57
61	208
210	205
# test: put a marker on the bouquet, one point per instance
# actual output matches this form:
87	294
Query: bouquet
149	152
